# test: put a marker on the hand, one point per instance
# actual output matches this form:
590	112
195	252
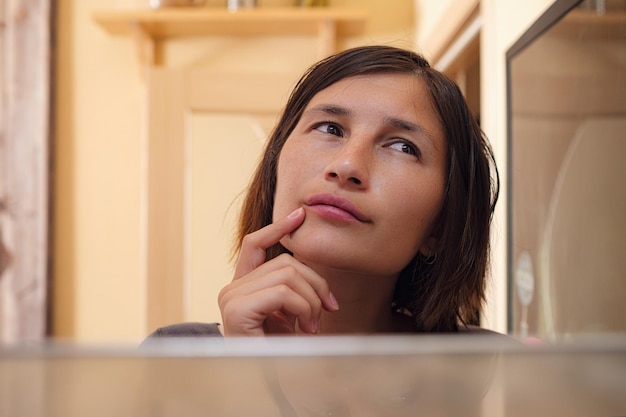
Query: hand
269	297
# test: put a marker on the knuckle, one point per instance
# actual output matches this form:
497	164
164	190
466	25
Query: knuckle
284	259
308	311
247	241
289	272
317	305
282	290
324	288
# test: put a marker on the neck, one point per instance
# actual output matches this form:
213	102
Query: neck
364	303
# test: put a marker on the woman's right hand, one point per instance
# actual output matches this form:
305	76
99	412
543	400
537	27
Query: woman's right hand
271	297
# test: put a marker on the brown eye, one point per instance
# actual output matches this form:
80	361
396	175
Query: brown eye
405	147
330	128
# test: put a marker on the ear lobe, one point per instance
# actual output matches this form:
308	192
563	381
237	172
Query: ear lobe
429	248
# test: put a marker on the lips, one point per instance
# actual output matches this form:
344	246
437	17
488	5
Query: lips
336	203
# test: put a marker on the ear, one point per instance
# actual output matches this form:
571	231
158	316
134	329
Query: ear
429	247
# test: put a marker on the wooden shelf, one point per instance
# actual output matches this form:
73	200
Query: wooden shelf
148	26
590	25
207	21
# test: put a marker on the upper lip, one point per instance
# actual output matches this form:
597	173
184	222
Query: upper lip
339	202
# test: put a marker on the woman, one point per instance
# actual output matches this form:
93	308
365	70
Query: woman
370	210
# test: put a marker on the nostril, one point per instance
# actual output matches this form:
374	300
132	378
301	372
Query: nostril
353	180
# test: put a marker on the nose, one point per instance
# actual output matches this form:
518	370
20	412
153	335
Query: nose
350	165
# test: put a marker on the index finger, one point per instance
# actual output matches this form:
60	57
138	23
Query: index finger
255	244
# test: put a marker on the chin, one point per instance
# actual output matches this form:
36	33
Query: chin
320	254
342	249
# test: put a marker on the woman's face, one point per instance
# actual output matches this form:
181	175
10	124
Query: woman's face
367	162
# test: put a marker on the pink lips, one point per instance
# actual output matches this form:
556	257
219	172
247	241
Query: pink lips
331	205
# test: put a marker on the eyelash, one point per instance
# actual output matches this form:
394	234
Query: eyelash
414	150
330	125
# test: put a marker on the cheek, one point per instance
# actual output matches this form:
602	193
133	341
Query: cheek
287	180
280	209
299	166
417	210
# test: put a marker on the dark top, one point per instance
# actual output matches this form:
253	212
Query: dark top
188	330
196	329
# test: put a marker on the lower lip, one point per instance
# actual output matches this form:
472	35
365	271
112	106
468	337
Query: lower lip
332	213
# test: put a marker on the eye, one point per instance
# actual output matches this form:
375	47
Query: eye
330	128
405	147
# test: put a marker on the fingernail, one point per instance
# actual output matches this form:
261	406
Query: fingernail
295	213
316	326
333	302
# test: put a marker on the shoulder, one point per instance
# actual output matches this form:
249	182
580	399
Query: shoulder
475	330
498	338
191	329
188	330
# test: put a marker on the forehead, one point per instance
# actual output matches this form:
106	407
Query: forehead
394	83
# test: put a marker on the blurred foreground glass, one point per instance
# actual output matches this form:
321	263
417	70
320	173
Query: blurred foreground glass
397	376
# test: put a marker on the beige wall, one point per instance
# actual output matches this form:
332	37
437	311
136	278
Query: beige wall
97	290
99	212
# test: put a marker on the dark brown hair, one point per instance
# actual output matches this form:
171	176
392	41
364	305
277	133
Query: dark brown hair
448	289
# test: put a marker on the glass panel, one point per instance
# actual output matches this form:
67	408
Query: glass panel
568	144
364	376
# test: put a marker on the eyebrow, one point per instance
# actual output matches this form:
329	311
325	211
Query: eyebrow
329	109
406	125
392	121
